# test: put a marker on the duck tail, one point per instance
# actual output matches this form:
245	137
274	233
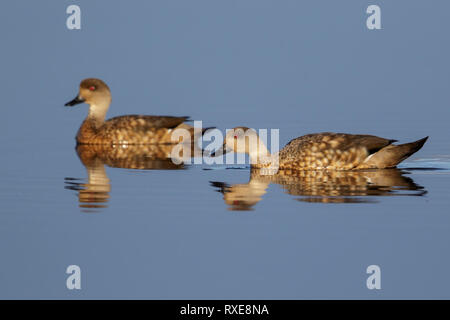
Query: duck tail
392	155
195	136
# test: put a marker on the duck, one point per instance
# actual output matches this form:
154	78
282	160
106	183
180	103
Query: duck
321	151
122	130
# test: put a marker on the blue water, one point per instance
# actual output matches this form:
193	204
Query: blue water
300	67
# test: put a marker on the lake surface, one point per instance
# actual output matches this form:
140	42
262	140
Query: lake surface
215	232
168	233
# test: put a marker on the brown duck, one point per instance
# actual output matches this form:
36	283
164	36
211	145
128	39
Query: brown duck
129	129
322	151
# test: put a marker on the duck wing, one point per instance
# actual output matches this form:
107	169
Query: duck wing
139	122
330	150
338	141
371	143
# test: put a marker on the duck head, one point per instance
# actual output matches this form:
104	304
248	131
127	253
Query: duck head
243	140
96	94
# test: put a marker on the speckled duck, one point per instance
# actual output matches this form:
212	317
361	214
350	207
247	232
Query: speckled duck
129	129
325	151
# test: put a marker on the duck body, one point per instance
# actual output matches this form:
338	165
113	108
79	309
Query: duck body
326	151
334	151
342	151
129	129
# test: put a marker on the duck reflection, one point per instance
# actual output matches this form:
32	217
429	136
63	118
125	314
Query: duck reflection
321	186
93	192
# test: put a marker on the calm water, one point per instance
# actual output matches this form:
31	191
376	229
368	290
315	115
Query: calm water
199	231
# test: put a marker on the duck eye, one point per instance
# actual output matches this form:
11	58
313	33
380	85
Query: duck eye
92	88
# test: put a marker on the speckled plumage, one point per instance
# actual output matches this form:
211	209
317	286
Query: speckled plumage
325	151
332	151
129	129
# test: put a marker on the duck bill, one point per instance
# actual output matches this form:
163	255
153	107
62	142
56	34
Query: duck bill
221	151
75	101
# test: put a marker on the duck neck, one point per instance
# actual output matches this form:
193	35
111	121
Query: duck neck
97	112
259	155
